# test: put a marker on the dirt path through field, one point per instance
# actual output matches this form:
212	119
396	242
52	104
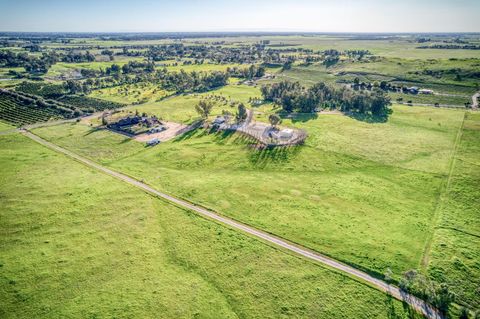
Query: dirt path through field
416	303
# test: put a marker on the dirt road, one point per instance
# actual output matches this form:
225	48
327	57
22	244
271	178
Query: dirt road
394	291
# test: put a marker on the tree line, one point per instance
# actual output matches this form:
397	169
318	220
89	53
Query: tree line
293	97
41	64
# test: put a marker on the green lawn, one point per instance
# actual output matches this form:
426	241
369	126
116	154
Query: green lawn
5	127
363	193
79	244
455	253
100	144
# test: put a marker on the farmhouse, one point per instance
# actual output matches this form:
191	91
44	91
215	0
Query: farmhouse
137	125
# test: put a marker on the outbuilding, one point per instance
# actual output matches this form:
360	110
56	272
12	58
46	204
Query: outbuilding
219	120
284	134
425	91
153	142
157	129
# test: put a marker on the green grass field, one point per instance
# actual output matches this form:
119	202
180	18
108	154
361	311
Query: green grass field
363	193
5	127
108	146
431	99
395	195
106	249
455	255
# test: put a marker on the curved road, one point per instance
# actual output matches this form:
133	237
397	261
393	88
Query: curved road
416	303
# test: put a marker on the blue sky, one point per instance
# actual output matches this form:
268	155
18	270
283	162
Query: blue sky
241	15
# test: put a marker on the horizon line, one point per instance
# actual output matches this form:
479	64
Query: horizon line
249	31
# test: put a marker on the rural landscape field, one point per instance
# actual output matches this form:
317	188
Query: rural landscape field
238	174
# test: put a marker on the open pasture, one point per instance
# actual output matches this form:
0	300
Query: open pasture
311	194
394	47
454	251
109	249
383	192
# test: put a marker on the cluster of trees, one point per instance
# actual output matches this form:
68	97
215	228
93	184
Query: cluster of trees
436	294
30	63
130	67
76	57
41	64
203	108
451	46
253	71
293	97
194	81
174	81
383	85
251	54
247	54
357	54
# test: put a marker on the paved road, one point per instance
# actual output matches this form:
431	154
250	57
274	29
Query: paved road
415	302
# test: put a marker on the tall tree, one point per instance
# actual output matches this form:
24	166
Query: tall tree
242	112
204	108
274	120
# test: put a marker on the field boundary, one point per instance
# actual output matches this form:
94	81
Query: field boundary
416	303
441	198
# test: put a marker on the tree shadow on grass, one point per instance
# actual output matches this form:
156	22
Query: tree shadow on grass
188	135
411	313
93	130
125	140
370	118
392	312
261	156
298	117
222	136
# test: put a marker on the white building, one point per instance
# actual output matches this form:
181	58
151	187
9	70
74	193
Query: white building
153	142
425	91
284	134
